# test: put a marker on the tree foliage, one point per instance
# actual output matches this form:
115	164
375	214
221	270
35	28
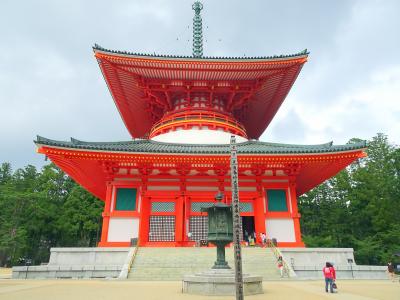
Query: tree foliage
40	210
359	207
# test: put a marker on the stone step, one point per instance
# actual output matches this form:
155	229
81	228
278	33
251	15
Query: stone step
174	263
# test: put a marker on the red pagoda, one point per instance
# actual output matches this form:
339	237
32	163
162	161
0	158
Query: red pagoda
181	112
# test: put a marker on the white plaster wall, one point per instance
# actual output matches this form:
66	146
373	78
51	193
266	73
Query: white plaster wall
280	229
123	229
195	136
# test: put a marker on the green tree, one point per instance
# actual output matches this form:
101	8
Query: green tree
40	210
359	207
78	228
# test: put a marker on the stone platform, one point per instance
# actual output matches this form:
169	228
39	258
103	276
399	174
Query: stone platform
307	263
159	264
220	282
80	263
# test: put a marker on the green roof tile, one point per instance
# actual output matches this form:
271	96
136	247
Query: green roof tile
249	147
97	47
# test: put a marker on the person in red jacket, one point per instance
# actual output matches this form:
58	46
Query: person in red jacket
330	276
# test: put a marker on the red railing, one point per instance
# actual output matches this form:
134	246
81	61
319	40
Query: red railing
193	118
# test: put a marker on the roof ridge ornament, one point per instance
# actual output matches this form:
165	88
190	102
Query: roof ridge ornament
197	30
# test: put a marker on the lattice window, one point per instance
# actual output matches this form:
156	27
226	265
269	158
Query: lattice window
197	206
162	229
198	227
246	207
162	206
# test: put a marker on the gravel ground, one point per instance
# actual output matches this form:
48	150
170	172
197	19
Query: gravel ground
121	290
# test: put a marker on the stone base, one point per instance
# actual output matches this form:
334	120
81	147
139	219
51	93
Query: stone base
307	263
220	282
80	263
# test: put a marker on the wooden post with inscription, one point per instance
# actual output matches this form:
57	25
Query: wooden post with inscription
236	221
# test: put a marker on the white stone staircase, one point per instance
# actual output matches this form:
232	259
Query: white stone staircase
152	264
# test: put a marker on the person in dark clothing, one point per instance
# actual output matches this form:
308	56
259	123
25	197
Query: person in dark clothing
329	275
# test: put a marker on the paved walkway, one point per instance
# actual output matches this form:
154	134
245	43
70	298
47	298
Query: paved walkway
121	290
5	273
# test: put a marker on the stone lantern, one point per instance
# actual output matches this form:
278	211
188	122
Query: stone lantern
220	229
220	279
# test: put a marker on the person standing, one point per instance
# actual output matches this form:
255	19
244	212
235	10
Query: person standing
280	265
251	240
263	239
246	237
329	275
390	270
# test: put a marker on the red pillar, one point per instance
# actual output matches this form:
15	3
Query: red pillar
259	217
186	218
144	219
295	214
259	210
179	220
106	216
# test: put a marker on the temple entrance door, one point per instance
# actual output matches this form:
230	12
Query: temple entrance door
248	227
162	229
198	227
162	220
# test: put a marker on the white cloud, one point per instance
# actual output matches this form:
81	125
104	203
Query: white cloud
145	10
50	83
351	87
358	112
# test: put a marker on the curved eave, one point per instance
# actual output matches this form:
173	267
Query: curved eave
271	79
103	153
162	148
88	166
127	54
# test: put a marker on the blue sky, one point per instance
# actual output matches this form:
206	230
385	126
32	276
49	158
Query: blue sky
51	85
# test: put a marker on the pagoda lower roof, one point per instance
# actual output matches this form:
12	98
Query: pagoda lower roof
249	147
93	164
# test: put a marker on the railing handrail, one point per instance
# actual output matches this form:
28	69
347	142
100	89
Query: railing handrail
278	254
198	119
198	115
133	257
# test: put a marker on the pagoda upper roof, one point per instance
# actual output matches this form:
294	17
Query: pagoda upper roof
141	85
249	147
